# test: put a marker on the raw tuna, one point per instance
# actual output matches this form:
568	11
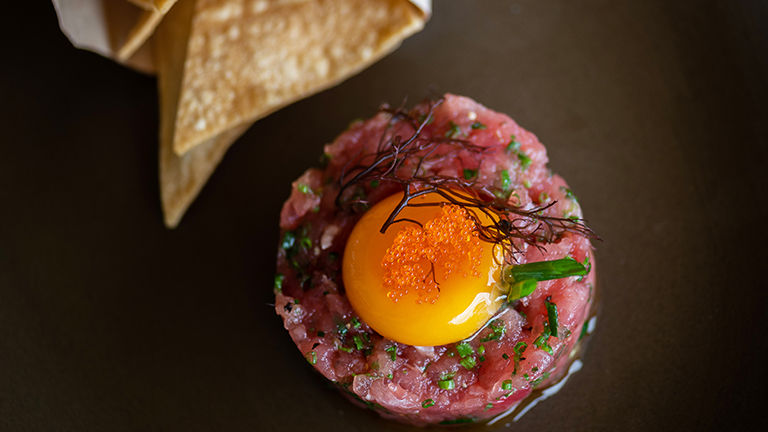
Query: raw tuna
401	381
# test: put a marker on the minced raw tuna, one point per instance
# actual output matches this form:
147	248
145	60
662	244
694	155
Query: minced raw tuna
510	355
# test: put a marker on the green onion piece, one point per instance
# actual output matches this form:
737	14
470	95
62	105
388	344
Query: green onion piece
311	357
355	322
446	384
358	342
464	349
305	189
478	125
481	350
345	349
289	239
279	282
505	356
525	161
498	331
392	350
488	406
469	173
513	145
506	182
545	270
468	362
506	385
541	341
454	130
427	403
552	315
306	242
389	375
521	289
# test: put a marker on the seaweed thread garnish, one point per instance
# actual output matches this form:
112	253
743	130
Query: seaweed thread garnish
402	160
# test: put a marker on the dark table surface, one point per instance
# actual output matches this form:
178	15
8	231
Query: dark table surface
655	112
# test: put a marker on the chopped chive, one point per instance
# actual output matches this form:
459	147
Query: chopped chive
374	183
478	125
427	403
506	182
345	349
305	189
568	193
468	362
446	384
534	369
521	289
519	349
289	239
358	342
545	270
538	380
506	385
389	375
481	350
464	349
306	242
311	357
392	350
497	331
541	341
279	282
552	315
525	161
513	145
488	406
454	131
505	356
469	173
355	322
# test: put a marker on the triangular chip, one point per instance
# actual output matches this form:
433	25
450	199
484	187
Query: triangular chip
144	27
248	58
181	177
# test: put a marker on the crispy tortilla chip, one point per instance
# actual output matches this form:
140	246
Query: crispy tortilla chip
181	177
144	27
248	58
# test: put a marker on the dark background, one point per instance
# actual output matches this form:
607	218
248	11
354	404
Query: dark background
655	112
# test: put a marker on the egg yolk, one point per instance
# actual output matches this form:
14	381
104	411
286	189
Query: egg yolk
422	284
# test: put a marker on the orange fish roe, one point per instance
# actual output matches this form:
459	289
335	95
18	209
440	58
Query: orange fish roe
445	243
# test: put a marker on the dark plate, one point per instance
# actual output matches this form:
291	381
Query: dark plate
654	112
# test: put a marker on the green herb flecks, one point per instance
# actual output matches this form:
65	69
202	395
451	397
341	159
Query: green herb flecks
464	349
538	380
525	161
469	362
446	381
392	350
311	357
279	279
497	331
514	145
454	131
519	349
551	315
427	403
541	342
478	125
506	385
469	174
303	188
506	182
